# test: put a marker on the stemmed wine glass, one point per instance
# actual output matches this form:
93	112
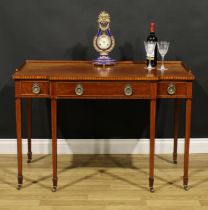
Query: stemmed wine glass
163	49
150	49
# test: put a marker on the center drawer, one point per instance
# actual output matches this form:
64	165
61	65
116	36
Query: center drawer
102	89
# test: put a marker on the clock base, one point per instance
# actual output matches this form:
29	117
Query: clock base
104	61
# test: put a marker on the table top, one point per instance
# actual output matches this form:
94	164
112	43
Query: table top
85	70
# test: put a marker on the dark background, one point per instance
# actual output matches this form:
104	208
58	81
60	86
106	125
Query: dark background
64	29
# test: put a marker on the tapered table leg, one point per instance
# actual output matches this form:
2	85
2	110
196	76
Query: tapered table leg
29	121
176	127
152	143
187	142
19	141
54	142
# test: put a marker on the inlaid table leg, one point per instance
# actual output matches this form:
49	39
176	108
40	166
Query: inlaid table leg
54	142
29	119
19	141
152	143
187	142
176	127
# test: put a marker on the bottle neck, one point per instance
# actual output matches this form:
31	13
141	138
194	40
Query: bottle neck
152	28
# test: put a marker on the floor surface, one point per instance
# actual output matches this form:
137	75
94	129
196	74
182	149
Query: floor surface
104	182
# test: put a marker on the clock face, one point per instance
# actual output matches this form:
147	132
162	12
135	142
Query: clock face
104	42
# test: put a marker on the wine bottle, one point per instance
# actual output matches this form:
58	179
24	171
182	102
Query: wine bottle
152	37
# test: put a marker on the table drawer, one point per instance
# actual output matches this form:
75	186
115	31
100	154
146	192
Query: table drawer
170	89
35	88
103	89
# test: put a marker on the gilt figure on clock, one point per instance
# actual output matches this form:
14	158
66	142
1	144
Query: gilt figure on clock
104	42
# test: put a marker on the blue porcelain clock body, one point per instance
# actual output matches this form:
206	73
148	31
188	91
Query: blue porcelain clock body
104	42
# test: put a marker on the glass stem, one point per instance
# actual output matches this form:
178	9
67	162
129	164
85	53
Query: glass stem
162	66
149	65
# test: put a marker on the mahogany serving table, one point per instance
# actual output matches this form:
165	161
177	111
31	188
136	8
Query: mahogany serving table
81	80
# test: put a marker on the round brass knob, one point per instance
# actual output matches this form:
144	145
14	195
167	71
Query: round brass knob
36	88
171	89
128	90
79	90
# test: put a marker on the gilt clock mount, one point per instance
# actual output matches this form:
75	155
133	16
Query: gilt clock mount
104	42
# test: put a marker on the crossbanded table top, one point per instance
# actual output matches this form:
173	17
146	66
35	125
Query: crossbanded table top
85	70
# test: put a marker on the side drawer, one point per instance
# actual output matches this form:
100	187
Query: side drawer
35	89
103	89
172	89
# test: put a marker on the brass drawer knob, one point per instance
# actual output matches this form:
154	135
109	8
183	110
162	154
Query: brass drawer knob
79	90
171	89
36	88
128	90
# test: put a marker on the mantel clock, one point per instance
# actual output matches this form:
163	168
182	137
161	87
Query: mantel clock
104	42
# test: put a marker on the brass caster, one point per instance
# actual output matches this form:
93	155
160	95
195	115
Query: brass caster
29	161
186	188
151	189
19	186
175	162
54	189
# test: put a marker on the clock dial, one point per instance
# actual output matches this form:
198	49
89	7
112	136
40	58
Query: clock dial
103	42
